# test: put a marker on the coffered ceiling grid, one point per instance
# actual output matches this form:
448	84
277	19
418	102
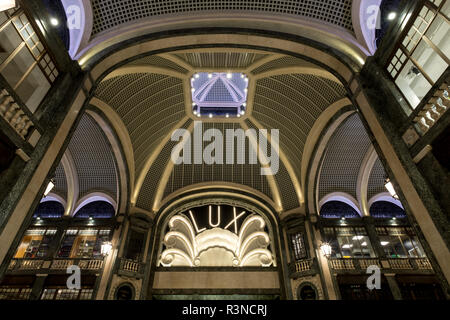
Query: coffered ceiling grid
343	158
282	62
149	105
376	180
220	59
108	14
292	103
160	62
287	190
154	174
60	181
93	158
246	174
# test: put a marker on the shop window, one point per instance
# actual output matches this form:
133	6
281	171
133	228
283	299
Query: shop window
337	210
349	242
135	245
13	293
66	294
24	61
423	54
400	242
49	209
83	243
35	244
96	210
298	246
386	210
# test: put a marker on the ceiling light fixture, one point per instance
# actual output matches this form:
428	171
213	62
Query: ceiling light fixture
54	21
229	76
390	188
392	15
210	115
50	186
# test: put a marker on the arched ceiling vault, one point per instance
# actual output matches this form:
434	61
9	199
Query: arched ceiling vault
339	24
151	98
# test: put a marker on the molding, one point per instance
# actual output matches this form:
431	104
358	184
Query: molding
315	134
122	133
73	186
92	197
362	183
342	197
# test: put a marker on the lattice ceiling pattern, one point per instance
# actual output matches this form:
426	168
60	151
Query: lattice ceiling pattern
93	158
344	155
60	182
109	14
223	60
152	104
149	104
292	103
376	180
245	174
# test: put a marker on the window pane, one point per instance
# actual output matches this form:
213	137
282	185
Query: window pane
439	34
33	89
9	41
430	61
413	84
17	68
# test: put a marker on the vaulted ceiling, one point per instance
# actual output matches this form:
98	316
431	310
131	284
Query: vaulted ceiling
151	97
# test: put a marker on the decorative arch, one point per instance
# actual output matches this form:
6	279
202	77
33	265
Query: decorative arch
183	239
341	197
54	197
49	209
384	196
93	197
386	209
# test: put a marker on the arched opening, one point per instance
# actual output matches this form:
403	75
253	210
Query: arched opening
96	210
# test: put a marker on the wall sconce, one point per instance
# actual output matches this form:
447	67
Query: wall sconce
49	188
325	248
7	4
106	248
390	188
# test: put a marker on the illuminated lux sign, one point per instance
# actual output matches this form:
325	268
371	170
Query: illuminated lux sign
239	240
7	4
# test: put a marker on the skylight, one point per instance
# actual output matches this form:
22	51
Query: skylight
219	94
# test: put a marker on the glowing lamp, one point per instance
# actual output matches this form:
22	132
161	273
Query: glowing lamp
325	248
49	188
390	188
106	248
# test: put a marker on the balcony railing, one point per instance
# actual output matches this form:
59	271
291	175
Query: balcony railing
14	115
391	264
130	267
434	109
54	265
302	267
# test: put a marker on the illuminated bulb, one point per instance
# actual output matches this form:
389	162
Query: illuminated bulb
227	115
198	115
209	75
242	112
54	21
210	115
193	90
246	79
229	75
196	76
238	115
49	188
245	90
392	16
244	104
195	111
242	76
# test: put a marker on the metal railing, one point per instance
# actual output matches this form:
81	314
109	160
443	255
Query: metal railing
16	116
130	266
55	264
392	264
